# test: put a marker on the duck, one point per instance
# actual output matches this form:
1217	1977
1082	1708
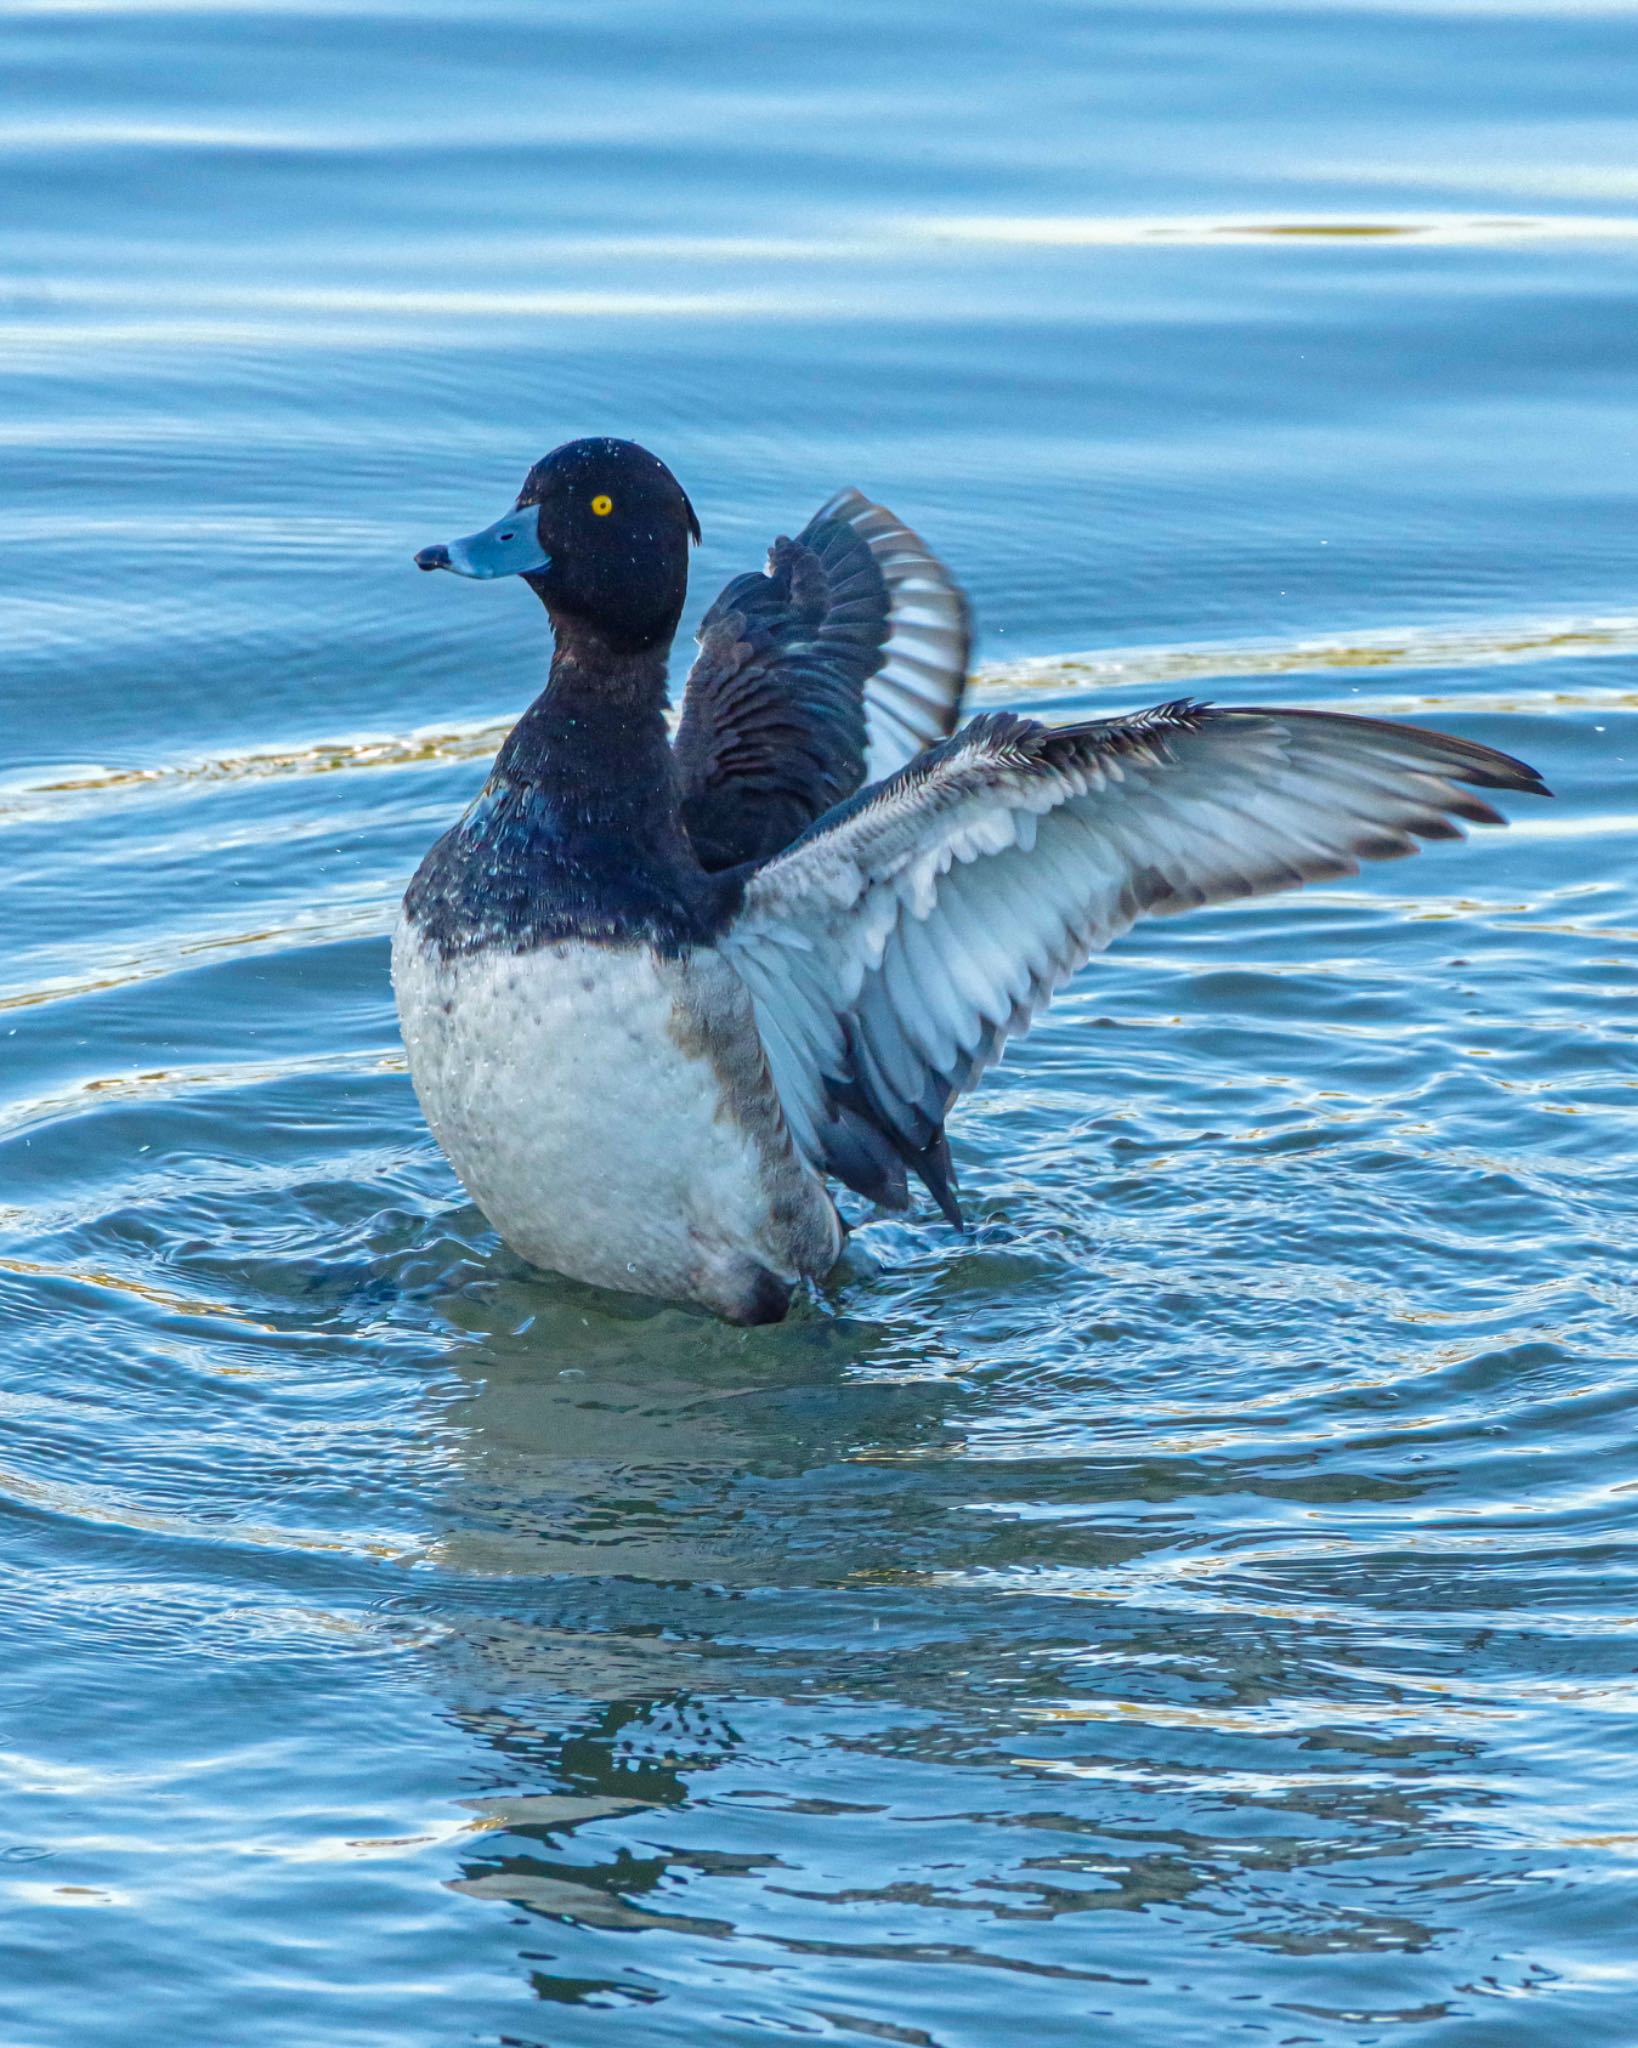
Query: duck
662	993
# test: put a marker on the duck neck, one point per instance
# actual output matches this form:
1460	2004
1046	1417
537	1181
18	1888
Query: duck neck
578	834
593	746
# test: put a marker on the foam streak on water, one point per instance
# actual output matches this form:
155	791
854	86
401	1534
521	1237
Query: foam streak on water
1199	1606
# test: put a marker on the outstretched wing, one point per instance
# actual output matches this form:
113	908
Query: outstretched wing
896	946
851	649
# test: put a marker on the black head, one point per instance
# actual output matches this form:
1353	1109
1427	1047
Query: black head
600	533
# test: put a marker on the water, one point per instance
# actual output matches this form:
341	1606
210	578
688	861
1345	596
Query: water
1196	1608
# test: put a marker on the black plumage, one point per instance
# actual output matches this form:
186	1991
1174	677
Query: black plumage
594	824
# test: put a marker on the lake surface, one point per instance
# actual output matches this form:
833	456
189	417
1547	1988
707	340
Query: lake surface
1200	1606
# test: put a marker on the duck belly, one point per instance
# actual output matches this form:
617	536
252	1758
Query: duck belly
611	1113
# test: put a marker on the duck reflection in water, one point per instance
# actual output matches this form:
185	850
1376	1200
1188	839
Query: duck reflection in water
769	1673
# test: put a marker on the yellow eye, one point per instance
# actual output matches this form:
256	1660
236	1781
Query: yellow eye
602	505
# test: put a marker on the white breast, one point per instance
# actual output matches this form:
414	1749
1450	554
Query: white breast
611	1114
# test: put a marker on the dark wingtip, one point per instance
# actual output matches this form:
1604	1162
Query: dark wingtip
1530	783
1489	768
935	1169
1468	761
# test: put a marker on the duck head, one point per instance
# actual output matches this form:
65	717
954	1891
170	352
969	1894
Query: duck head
600	533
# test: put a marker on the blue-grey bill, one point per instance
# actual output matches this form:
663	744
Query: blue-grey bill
511	547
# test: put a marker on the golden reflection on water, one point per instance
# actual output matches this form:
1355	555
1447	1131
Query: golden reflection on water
83	1502
1446	230
1496	645
142	1290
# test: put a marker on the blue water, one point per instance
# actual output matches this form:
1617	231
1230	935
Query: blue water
1199	1607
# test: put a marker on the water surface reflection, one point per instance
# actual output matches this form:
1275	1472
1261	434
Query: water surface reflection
1148	1685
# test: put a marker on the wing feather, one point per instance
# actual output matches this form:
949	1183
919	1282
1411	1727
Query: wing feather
844	658
893	949
914	698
